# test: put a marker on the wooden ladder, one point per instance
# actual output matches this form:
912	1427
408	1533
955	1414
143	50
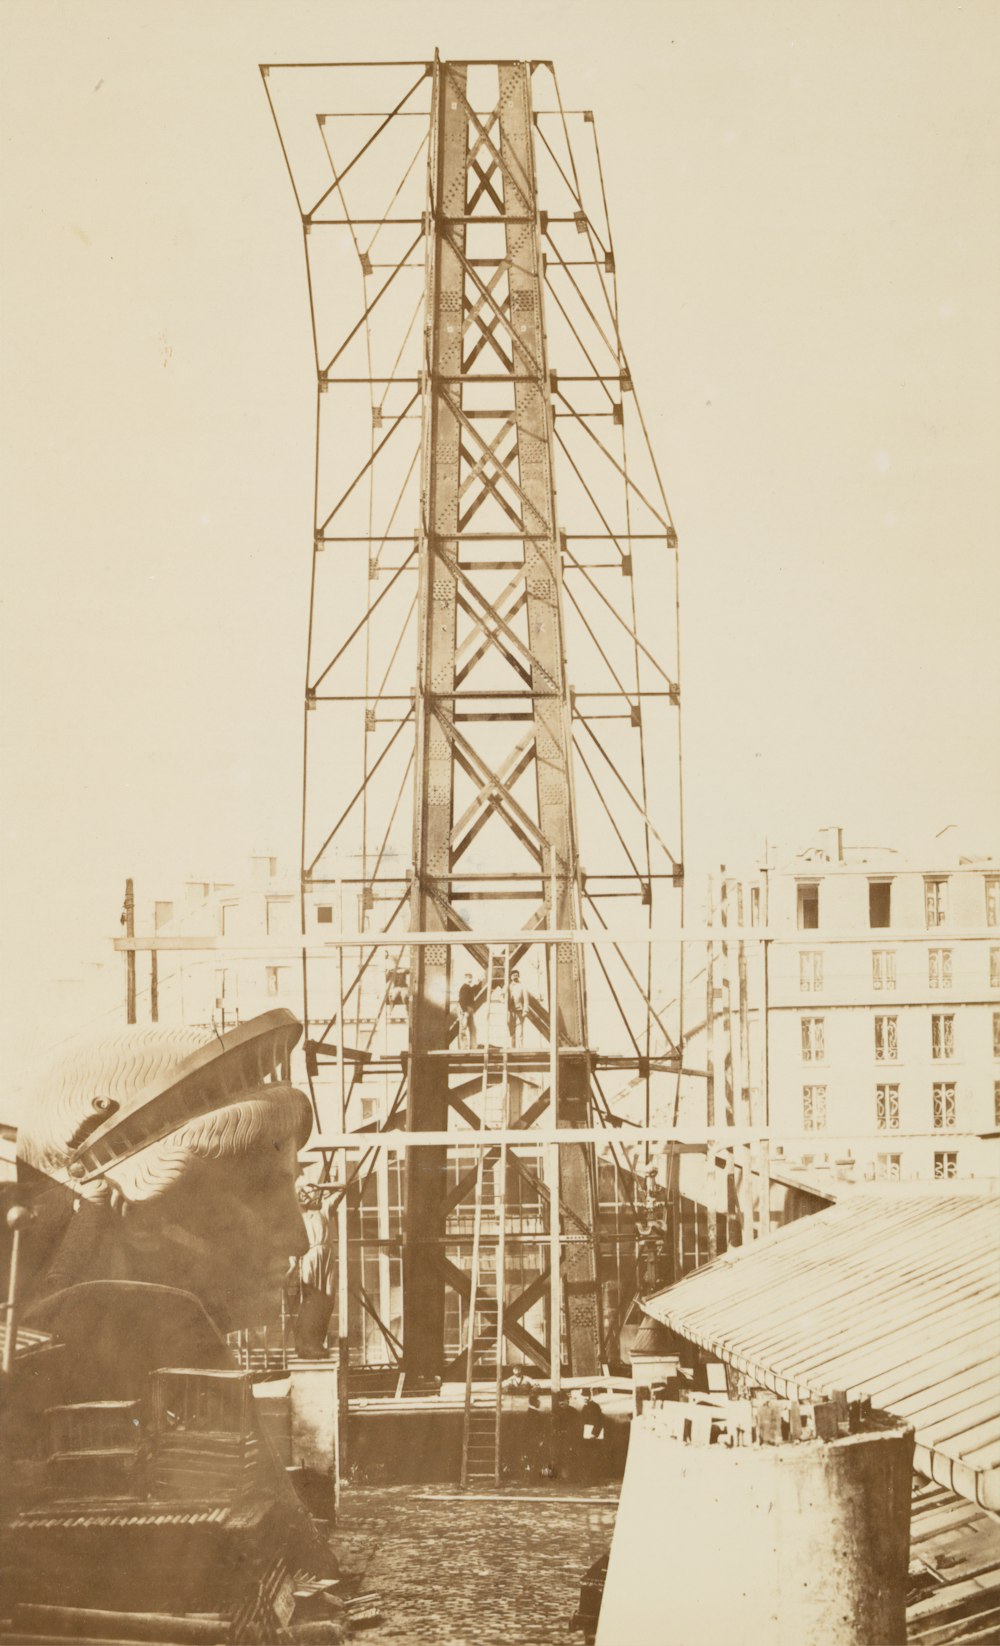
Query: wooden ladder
481	1426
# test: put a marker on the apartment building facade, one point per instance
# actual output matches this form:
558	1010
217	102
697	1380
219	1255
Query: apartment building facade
882	989
221	974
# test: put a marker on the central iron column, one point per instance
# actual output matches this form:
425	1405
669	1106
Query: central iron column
491	657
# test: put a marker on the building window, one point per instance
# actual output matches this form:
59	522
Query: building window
814	1108
939	968
324	914
278	916
995	968
810	970
996	1034
883	968
942	1035
887	1167
276	979
996	1102
813	1040
993	900
227	918
163	913
935	902
944	1104
808	906
755	905
221	988
946	1165
886	1039
887	1108
879	899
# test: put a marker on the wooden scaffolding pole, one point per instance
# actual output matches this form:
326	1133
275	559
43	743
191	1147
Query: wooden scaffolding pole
552	1173
129	922
343	1278
711	1207
742	1060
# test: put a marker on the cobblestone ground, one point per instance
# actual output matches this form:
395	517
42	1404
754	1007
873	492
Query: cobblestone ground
454	1570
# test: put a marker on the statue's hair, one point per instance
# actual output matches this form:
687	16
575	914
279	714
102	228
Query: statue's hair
120	1066
117	1064
270	1115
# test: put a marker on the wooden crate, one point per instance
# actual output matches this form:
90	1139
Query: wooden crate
196	1400
96	1426
91	1476
96	1450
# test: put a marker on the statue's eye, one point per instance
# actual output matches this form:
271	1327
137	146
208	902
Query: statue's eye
99	1106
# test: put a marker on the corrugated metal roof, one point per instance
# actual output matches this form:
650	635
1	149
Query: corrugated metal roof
829	1189
954	1571
894	1292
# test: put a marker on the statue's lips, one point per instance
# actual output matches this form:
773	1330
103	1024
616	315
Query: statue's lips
216	1076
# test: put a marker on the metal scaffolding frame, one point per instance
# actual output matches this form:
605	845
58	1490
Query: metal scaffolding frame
492	704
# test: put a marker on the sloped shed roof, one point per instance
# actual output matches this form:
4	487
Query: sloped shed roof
894	1292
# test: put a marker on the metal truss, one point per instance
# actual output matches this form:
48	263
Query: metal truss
492	703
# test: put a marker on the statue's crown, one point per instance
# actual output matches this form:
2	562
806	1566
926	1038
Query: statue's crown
140	1085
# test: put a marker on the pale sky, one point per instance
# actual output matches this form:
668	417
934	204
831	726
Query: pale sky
804	201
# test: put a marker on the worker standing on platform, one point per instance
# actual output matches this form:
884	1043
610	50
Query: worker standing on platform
467	1015
517	1009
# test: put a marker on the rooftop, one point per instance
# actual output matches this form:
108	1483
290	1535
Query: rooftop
892	1293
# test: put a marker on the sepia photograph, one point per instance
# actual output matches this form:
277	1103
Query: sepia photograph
500	879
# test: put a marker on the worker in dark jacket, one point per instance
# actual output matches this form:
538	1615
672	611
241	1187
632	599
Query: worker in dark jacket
467	1015
593	1417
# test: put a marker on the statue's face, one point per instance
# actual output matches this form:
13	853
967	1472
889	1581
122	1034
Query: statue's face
225	1230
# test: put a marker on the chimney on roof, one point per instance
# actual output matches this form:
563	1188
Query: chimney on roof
833	842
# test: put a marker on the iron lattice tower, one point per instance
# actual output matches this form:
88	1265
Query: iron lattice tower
444	740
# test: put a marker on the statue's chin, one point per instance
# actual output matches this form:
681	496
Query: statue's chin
242	1311
233	1294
